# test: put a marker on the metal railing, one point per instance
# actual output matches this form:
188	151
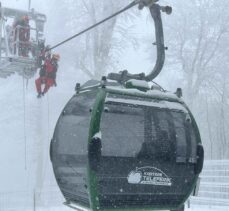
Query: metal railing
214	185
19	47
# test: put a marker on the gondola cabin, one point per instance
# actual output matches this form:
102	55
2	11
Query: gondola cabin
126	147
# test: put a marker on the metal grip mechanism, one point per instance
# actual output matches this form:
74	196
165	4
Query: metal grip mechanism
155	11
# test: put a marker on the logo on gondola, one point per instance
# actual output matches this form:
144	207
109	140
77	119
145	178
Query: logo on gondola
149	176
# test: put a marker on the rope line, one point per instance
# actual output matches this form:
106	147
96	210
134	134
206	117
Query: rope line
24	116
48	136
96	24
48	115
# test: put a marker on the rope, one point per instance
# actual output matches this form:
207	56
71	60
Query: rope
48	115
47	154
97	24
27	84
24	116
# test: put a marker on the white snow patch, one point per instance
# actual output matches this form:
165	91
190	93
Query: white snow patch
98	135
161	104
150	93
138	83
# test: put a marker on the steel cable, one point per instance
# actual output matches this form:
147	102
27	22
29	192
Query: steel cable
97	24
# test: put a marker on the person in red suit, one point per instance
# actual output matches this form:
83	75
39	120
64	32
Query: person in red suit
47	75
22	36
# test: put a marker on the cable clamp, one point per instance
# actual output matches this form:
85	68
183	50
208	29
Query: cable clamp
146	3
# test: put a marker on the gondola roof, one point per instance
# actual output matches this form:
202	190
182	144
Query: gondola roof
115	88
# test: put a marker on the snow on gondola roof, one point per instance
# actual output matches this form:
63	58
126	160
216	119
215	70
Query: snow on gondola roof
139	83
149	94
160	104
113	87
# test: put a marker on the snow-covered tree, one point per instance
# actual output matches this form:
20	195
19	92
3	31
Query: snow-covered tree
197	35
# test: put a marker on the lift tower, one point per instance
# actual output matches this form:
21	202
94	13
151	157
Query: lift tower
11	61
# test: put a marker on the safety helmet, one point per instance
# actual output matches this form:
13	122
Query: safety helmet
56	56
25	18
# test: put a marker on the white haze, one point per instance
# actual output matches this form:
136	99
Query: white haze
26	166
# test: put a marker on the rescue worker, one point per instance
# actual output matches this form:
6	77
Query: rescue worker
22	35
47	74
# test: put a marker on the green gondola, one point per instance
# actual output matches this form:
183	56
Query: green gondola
126	144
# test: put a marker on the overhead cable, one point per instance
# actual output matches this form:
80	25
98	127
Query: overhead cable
97	24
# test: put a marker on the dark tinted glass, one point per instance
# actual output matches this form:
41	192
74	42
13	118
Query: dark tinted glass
181	137
129	131
193	146
73	127
122	130
70	147
147	132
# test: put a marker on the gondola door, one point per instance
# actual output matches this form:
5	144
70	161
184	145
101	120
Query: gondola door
137	160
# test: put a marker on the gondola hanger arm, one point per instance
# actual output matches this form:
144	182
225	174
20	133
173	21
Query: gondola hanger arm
155	11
